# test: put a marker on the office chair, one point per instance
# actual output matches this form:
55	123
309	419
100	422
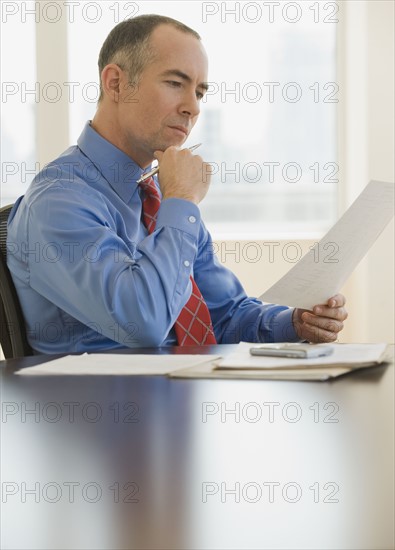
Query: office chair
13	338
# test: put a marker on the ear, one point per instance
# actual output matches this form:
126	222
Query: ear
112	77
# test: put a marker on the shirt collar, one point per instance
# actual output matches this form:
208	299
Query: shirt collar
117	168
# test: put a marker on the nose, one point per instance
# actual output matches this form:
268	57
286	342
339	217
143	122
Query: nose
190	105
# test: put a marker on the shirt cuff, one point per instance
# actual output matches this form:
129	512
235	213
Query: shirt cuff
179	214
283	327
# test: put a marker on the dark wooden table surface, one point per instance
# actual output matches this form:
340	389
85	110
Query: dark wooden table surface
151	462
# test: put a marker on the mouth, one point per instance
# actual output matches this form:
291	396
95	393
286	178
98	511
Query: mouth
181	129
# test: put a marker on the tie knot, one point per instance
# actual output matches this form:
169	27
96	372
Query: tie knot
148	187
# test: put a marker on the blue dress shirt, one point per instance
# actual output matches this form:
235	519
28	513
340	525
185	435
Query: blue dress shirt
89	276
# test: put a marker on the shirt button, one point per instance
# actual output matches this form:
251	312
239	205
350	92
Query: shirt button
186	263
192	219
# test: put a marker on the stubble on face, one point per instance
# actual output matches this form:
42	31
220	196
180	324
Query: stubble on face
156	108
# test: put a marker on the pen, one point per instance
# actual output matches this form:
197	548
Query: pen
156	169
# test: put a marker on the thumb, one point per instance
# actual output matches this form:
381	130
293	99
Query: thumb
158	155
297	315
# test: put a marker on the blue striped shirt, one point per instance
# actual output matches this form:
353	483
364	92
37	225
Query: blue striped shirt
89	276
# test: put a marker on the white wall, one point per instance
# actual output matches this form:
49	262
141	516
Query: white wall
367	152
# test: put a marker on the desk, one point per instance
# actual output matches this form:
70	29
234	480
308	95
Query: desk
151	462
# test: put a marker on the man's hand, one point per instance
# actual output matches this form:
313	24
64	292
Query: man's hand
183	175
324	324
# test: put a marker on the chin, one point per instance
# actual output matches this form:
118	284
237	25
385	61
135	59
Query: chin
176	138
172	142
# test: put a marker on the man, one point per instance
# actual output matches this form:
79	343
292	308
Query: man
100	262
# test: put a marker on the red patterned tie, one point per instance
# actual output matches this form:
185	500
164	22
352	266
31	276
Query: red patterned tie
193	326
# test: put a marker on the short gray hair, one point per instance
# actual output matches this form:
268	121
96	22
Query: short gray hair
127	45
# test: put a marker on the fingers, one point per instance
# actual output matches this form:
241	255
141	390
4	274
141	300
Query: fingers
315	334
329	325
183	175
337	301
320	329
339	313
324	323
333	309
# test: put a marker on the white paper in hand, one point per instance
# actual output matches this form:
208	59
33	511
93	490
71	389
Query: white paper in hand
322	272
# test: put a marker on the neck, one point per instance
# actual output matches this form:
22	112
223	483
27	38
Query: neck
106	126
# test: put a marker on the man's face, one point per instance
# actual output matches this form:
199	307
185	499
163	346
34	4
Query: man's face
163	108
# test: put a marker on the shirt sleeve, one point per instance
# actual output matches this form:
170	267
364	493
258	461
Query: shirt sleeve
103	279
235	316
106	275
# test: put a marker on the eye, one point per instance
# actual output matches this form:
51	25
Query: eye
199	95
174	83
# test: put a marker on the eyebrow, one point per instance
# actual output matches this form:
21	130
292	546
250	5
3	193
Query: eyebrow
184	76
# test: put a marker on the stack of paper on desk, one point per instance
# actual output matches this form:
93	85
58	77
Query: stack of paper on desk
241	364
344	355
106	364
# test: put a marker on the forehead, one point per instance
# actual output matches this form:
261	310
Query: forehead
175	49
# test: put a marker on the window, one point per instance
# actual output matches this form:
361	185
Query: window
19	97
268	122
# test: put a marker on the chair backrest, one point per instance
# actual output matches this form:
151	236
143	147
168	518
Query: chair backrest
13	338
